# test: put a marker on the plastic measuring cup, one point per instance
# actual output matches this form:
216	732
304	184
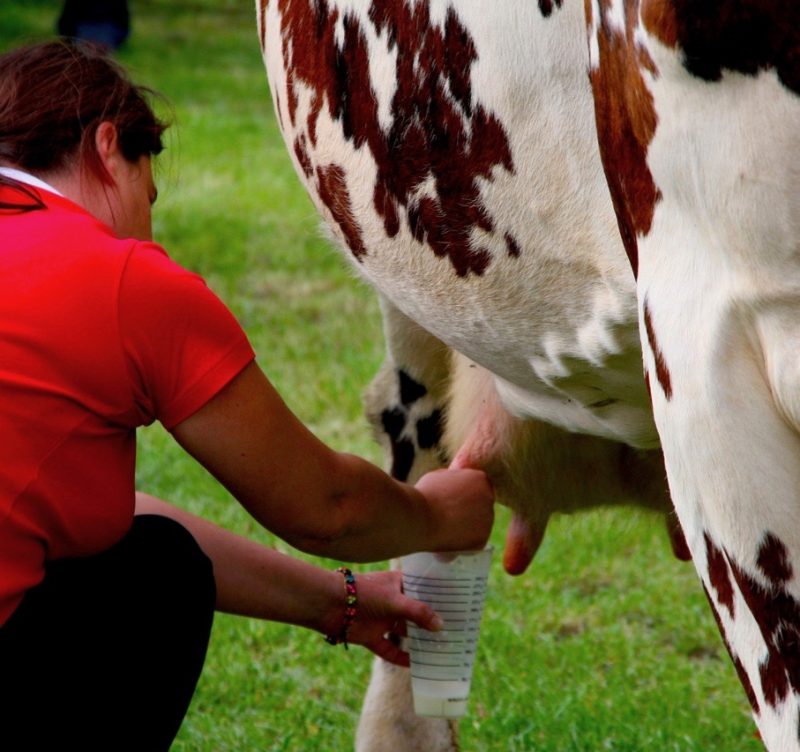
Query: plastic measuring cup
454	585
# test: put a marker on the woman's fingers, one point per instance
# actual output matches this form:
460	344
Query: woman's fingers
422	615
388	651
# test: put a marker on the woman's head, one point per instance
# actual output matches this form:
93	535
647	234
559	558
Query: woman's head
53	97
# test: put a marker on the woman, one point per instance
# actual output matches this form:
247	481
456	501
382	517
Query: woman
106	596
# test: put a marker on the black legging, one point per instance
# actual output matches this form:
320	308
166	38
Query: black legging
105	653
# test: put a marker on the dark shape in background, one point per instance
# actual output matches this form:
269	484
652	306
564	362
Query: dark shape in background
104	22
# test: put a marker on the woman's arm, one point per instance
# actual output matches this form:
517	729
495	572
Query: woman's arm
321	501
255	580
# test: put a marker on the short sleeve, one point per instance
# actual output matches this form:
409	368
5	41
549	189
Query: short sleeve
180	342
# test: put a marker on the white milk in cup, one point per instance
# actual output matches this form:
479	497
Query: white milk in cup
454	585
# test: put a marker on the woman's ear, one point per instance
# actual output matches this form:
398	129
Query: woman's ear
106	143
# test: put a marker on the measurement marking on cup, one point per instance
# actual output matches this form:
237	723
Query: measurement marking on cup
426	587
425	578
426	582
456	664
437	642
455	582
470	641
462	597
437	595
436	588
441	652
441	610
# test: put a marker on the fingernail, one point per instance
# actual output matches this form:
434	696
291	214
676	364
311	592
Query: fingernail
436	623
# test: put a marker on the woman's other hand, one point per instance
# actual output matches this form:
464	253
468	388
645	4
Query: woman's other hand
381	616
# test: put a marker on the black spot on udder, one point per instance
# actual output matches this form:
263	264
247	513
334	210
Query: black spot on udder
410	390
429	430
393	422
402	458
403	452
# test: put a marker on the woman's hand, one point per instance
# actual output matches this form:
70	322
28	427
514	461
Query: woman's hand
381	616
460	501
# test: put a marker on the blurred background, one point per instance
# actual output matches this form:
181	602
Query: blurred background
606	643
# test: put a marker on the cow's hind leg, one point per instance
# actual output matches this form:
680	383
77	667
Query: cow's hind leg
405	403
406	406
719	297
733	461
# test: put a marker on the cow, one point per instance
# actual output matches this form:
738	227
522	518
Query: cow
582	223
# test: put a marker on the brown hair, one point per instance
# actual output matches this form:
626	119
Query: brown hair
54	95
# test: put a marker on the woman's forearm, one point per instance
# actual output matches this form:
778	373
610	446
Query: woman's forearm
257	581
374	516
322	501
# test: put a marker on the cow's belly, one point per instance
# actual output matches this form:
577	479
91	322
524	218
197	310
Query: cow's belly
562	343
456	163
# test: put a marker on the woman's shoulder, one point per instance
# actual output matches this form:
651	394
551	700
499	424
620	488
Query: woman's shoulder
57	224
149	263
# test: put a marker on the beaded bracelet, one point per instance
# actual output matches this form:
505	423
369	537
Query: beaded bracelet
350	603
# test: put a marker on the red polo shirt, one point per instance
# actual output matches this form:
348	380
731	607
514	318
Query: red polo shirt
97	336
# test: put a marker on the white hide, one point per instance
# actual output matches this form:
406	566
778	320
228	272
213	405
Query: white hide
719	272
558	325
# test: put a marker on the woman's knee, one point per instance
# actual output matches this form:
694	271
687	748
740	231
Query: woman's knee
174	559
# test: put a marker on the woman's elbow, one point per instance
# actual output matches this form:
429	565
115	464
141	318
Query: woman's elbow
321	539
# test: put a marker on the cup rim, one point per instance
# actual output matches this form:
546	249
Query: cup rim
459	552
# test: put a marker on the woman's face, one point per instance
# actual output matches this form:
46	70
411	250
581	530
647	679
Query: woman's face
125	203
132	200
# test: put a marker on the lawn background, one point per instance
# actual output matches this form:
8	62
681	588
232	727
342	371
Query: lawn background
606	643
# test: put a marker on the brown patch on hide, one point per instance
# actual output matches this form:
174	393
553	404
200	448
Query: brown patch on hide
278	109
773	608
263	11
745	36
308	51
438	137
626	122
658	17
677	539
662	372
744	679
773	560
333	192
512	245
546	6
301	153
719	574
777	614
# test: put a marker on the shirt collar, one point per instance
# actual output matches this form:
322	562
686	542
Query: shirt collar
28	179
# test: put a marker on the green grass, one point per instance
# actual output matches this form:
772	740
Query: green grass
605	644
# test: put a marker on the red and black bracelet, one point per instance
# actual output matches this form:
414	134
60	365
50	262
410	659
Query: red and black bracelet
350	604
